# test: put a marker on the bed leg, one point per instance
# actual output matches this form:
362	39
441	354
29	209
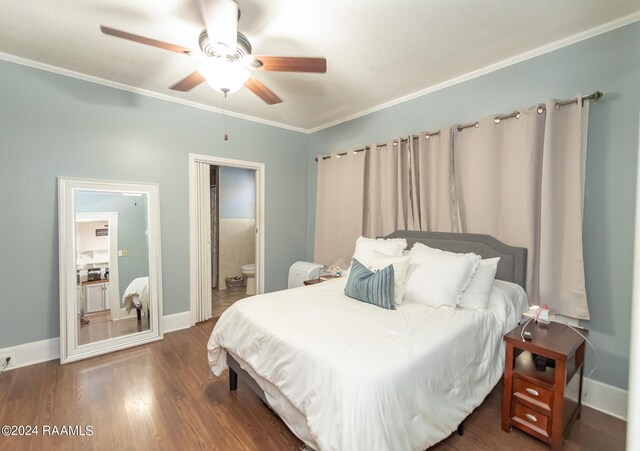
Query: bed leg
233	380
460	429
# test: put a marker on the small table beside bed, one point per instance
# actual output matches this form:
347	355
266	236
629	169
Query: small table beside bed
348	375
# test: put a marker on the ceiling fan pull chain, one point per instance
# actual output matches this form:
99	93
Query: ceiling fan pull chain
224	115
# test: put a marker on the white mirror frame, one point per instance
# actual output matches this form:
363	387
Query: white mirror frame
70	351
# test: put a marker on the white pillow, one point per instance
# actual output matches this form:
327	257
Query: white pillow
400	266
438	278
365	247
477	295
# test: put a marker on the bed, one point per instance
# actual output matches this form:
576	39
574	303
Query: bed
345	375
136	295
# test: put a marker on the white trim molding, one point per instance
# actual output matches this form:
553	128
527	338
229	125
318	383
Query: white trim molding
114	84
598	30
177	321
32	353
633	433
45	350
570	40
194	159
605	398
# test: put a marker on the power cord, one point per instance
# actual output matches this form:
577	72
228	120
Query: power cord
524	327
586	392
4	365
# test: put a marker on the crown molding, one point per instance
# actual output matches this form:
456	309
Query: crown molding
592	32
565	42
113	84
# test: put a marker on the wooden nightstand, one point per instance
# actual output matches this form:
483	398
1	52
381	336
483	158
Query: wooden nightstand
320	279
543	403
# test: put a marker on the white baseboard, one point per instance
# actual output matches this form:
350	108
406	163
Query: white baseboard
605	398
177	321
32	353
45	350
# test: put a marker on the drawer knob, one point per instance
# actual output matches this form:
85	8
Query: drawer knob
531	417
532	392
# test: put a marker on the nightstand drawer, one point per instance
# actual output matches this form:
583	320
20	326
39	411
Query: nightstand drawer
533	393
532	419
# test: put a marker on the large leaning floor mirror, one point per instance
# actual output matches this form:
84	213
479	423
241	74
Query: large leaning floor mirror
110	287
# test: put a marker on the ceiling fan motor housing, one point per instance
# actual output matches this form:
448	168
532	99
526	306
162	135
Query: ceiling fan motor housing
243	47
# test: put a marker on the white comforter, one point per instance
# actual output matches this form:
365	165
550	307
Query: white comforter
137	294
367	378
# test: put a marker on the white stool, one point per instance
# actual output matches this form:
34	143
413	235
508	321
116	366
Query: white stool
249	273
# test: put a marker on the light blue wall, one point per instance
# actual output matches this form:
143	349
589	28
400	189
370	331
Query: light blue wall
132	231
609	63
237	193
52	125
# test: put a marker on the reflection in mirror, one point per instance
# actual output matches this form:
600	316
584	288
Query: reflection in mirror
110	268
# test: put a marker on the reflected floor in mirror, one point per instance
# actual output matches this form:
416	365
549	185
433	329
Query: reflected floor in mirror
100	326
223	299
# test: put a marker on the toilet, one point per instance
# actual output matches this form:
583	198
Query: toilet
249	273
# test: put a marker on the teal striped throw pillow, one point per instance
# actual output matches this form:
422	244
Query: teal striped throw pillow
369	286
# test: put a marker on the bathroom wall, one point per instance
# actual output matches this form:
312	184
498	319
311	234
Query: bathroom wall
237	221
237	247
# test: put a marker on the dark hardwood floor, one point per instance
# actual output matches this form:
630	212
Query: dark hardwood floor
160	396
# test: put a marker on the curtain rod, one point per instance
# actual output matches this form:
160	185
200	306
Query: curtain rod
516	114
427	135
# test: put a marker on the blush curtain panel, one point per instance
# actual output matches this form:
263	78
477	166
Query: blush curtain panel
387	205
339	208
518	177
520	180
498	175
433	196
561	279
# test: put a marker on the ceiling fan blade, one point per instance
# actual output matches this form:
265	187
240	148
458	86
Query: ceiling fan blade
189	82
291	64
147	41
262	91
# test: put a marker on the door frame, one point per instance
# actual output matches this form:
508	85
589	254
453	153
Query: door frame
259	169
633	399
114	281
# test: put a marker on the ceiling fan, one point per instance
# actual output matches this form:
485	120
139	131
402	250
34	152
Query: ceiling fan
228	54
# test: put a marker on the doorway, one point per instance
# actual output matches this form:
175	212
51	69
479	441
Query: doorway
226	199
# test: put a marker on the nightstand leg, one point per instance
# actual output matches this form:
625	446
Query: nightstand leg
507	389
558	405
580	392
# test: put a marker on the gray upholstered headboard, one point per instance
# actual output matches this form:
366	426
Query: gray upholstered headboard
513	260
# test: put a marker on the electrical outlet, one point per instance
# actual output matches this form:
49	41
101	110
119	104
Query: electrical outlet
3	359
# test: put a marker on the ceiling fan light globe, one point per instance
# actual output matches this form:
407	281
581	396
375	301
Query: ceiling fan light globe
223	75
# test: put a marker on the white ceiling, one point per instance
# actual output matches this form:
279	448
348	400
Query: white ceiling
376	50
